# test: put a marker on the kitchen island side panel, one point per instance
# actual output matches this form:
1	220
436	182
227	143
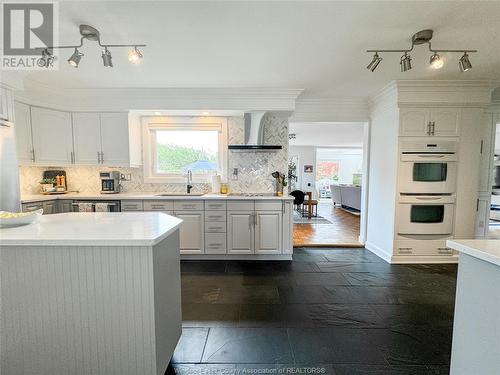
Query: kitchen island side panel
167	299
77	310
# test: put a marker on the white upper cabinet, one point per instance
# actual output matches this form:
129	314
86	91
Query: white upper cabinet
191	232
240	232
414	122
268	229
87	138
421	122
52	136
6	105
22	127
49	137
115	139
445	121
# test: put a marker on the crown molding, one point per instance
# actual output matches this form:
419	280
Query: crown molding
124	99
11	80
333	109
466	93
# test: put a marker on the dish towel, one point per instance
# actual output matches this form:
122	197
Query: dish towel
101	207
85	207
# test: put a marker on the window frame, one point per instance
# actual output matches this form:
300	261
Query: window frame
151	124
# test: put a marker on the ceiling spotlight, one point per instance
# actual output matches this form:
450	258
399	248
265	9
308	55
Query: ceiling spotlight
464	63
75	58
374	63
106	58
134	56
46	60
436	61
405	62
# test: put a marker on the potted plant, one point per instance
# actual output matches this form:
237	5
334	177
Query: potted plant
47	184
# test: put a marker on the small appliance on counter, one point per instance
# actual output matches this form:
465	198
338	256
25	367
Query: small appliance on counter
60	183
110	182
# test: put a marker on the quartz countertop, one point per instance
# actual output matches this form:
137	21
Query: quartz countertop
487	250
93	229
150	196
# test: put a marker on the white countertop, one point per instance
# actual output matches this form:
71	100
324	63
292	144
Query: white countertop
93	229
487	250
147	196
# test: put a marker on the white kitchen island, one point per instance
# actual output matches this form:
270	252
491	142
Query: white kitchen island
476	327
90	293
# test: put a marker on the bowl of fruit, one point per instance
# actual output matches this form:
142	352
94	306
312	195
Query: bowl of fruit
12	219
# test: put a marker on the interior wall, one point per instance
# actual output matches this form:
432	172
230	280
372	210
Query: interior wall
382	171
306	156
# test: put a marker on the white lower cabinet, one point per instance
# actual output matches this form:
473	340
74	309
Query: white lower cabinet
191	233
423	248
215	243
240	232
268	229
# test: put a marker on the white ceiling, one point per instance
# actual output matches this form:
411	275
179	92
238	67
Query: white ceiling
318	46
327	134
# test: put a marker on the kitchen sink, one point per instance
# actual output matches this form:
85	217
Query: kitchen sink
179	195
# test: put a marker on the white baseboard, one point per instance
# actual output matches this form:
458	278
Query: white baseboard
378	251
236	257
410	259
423	259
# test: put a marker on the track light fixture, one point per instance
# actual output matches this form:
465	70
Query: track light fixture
464	63
106	58
135	56
374	63
405	62
75	58
436	61
90	33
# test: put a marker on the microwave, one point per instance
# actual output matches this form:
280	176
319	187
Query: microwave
425	214
428	168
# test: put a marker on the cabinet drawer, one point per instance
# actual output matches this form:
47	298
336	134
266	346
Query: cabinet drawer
132	206
215	227
188	205
28	207
215	243
268	205
215	216
158	205
215	205
241	205
423	247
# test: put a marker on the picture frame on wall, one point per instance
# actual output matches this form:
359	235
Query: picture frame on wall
308	168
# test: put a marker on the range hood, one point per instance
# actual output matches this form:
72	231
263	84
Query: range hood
254	134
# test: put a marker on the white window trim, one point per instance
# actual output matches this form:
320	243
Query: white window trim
149	124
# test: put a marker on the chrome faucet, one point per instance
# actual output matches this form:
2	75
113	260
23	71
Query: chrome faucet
189	185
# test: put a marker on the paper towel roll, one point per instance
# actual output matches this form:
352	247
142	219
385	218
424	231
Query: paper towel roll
216	184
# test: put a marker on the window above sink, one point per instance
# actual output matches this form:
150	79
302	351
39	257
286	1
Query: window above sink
174	145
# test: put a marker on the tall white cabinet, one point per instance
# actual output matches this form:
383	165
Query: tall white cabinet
434	111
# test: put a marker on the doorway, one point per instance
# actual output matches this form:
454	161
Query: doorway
327	162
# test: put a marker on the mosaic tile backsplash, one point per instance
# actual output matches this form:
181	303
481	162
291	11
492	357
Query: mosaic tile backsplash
254	168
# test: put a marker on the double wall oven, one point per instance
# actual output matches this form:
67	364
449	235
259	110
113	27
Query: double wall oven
427	184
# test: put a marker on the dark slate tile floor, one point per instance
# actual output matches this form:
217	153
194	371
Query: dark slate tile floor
339	311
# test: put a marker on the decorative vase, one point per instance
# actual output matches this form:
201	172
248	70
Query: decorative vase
279	188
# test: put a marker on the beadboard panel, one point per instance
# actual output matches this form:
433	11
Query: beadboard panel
82	310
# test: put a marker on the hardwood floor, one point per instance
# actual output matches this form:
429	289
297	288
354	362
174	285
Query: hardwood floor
343	232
